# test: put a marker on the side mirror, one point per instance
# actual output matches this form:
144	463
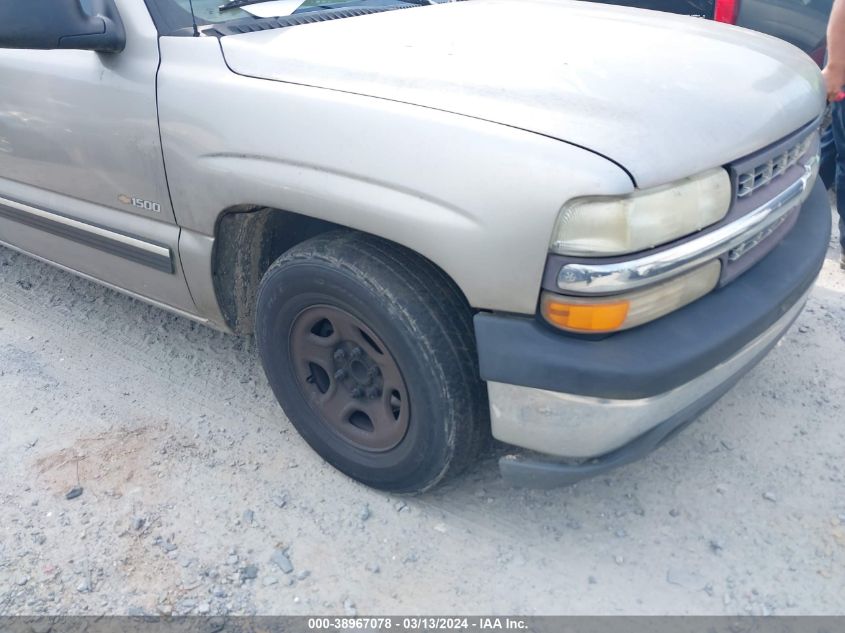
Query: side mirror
50	24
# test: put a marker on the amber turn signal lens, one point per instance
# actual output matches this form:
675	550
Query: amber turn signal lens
601	317
622	312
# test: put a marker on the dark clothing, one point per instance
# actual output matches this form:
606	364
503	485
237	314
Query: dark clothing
832	168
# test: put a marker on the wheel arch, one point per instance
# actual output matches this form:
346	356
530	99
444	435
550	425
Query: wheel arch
248	239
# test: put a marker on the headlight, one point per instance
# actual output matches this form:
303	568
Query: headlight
621	312
603	226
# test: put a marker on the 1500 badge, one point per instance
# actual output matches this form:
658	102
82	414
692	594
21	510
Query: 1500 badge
146	205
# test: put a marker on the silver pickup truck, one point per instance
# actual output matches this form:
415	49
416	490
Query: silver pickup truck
566	225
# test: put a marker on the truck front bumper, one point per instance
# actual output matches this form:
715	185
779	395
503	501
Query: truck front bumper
603	403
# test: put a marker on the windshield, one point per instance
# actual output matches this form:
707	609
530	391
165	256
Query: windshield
213	11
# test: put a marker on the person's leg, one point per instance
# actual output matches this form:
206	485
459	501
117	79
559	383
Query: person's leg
827	166
838	128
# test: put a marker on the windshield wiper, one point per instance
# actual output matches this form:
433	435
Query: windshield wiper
237	4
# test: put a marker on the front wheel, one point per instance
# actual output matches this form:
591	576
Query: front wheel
370	351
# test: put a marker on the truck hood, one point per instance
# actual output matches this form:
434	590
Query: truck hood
664	96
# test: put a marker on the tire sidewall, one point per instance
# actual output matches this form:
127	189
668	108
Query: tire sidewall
422	456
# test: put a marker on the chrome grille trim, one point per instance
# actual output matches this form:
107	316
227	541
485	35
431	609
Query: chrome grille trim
761	175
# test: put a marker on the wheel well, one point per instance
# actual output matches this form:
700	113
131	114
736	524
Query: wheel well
248	239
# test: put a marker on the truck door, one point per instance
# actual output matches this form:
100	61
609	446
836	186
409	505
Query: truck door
82	181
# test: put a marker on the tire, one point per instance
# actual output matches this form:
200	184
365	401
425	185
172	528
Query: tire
406	410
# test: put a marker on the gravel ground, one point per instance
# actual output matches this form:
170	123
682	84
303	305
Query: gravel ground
199	497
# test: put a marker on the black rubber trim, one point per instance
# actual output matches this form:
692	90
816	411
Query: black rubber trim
248	25
529	471
163	263
671	351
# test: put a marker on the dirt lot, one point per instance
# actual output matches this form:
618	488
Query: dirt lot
199	497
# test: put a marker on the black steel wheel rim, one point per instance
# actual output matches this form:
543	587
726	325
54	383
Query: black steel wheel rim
350	378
